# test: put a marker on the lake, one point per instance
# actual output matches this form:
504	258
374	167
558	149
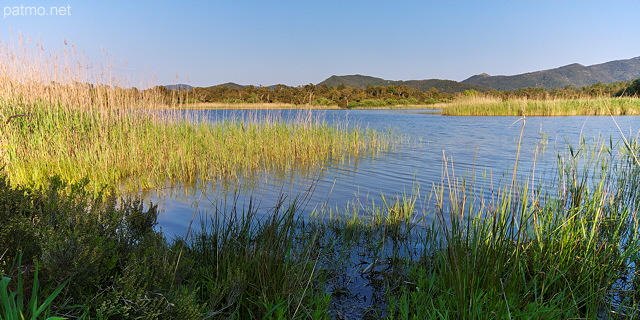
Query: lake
483	149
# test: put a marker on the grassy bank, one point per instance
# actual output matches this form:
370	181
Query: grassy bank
118	267
495	107
563	251
566	249
287	106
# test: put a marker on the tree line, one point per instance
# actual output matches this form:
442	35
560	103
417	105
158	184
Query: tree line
374	96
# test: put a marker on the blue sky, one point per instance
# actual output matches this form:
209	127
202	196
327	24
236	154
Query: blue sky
299	42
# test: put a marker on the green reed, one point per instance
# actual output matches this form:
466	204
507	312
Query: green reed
61	116
567	250
136	149
496	107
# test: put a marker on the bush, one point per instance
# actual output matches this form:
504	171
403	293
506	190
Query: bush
367	103
117	266
107	248
232	101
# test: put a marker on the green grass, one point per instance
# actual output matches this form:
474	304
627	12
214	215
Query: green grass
137	150
493	107
241	265
567	249
59	119
562	252
15	306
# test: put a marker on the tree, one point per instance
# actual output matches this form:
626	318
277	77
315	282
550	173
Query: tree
632	90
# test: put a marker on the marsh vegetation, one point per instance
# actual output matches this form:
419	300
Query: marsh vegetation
73	244
126	137
567	250
486	106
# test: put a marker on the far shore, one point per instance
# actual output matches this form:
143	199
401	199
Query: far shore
219	105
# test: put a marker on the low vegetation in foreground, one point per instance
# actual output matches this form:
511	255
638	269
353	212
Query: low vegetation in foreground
560	251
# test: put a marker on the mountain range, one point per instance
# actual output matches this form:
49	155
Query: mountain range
573	75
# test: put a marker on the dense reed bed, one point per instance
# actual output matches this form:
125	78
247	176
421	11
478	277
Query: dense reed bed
139	150
62	116
259	105
476	106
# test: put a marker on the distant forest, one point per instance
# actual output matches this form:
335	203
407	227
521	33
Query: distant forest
374	96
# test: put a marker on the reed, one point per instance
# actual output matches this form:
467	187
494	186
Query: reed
556	252
250	265
143	150
61	117
484	106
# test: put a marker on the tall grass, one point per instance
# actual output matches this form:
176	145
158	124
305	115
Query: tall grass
116	265
557	252
567	249
477	106
139	150
258	105
60	117
248	265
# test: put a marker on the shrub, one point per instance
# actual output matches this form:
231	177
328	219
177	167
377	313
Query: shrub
106	247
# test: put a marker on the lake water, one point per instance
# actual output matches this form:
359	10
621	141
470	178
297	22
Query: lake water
476	146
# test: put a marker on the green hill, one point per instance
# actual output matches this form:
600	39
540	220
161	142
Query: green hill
229	85
360	81
355	80
574	75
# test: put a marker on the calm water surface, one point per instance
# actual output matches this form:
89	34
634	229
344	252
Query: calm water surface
476	146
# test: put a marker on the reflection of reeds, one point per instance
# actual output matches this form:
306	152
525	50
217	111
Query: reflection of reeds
82	122
476	106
